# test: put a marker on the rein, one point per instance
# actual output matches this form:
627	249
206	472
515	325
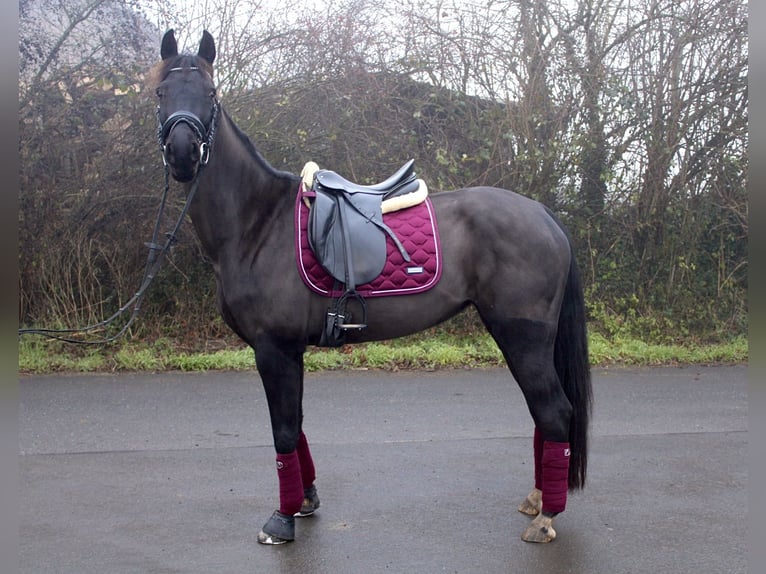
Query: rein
157	252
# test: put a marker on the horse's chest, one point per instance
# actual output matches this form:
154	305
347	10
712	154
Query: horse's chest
267	284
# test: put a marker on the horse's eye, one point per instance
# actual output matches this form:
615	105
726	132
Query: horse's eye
159	92
213	93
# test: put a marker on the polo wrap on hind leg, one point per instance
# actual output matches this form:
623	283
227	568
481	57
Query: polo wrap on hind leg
555	476
290	483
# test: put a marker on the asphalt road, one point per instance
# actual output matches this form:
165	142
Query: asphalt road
417	472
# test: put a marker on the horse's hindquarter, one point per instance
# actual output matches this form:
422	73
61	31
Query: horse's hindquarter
509	248
501	251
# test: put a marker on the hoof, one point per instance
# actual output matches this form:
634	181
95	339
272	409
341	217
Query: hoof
540	530
533	503
279	529
310	502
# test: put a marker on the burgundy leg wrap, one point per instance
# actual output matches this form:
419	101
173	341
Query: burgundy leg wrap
308	473
538	446
290	485
555	477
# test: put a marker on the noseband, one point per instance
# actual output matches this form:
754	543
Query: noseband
204	135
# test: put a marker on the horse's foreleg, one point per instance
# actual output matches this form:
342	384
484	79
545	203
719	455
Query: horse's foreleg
280	365
308	475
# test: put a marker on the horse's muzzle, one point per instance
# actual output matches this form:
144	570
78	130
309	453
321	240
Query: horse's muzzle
182	152
185	144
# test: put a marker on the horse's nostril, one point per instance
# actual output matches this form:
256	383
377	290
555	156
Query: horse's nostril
180	149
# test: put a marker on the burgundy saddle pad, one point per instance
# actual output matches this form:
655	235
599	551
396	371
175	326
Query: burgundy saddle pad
416	229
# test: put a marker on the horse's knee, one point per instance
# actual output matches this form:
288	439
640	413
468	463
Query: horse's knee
285	440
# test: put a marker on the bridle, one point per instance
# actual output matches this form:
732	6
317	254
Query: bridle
157	251
205	135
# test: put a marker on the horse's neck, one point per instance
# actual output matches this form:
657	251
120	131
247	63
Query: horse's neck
240	195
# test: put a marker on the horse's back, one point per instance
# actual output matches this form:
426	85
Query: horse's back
501	223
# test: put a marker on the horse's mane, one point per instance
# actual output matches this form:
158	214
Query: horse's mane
253	151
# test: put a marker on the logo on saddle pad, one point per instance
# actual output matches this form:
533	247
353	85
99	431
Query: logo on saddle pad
378	240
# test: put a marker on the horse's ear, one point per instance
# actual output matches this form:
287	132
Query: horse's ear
207	47
169	47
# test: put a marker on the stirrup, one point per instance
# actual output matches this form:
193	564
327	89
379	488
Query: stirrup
342	316
335	326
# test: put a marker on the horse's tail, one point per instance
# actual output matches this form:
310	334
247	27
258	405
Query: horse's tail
573	369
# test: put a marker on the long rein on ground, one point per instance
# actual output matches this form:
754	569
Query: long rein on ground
157	252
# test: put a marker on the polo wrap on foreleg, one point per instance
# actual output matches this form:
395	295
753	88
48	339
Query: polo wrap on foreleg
308	473
290	483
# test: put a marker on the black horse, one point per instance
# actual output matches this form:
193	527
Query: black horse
505	254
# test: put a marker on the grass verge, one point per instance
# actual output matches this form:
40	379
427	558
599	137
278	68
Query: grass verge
37	356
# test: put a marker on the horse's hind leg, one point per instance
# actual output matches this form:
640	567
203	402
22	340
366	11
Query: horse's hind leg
528	349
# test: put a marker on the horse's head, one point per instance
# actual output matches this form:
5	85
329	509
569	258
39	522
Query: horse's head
188	107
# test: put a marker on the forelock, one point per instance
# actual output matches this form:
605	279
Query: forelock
160	70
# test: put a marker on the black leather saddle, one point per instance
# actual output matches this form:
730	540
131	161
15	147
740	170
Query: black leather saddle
400	183
346	229
347	233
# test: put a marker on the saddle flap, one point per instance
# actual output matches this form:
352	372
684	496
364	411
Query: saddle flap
344	238
323	215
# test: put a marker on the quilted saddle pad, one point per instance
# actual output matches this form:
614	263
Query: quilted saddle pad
417	230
